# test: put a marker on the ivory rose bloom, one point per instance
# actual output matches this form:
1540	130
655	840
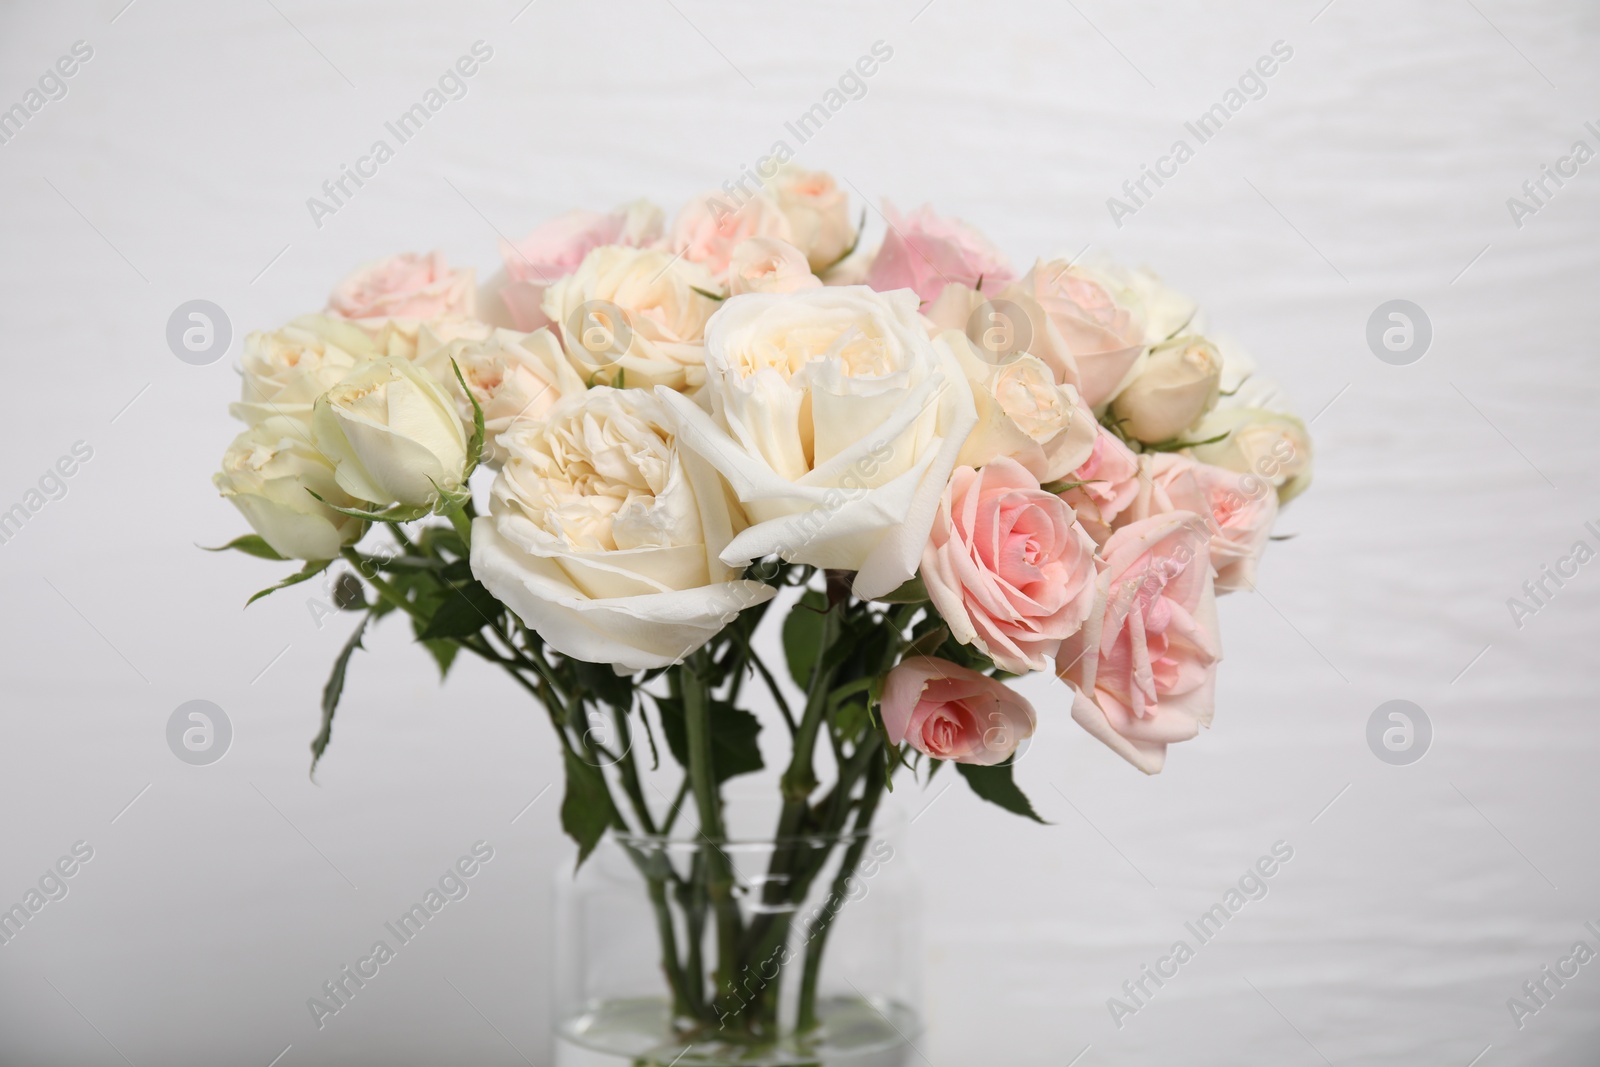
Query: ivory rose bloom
1087	326
410	339
946	711
709	227
634	312
512	375
1172	387
836	421
405	286
558	247
286	369
1008	567
768	265
1023	414
818	212
1239	510
1110	478
603	534
1144	667
392	434
265	474
1268	444
924	252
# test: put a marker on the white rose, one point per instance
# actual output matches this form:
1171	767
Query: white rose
836	421
266	473
512	375
1023	414
409	338
634	312
768	265
818	212
392	434
1272	445
1176	383
286	369
603	535
1166	311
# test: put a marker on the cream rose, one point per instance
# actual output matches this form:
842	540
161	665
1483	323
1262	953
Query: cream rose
1267	443
1176	383
511	375
603	534
555	250
768	265
409	338
634	312
392	434
837	421
818	212
1023	414
266	473
286	369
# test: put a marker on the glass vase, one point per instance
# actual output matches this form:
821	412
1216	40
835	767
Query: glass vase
683	952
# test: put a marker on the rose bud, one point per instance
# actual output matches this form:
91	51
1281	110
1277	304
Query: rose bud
952	713
1178	383
392	434
265	474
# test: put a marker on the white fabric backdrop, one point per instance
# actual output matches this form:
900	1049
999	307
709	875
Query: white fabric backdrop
1376	167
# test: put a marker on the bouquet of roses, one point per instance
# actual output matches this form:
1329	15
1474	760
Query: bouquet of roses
947	474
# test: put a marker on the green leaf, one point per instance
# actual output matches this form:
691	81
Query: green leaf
996	785
586	809
251	545
735	748
475	445
332	691
604	682
444	654
708	296
802	636
1176	445
927	644
310	570
912	592
1057	488
462	611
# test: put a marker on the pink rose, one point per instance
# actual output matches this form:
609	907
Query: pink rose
405	286
924	252
1144	667
952	713
1008	566
1111	482
1239	510
1093	328
555	249
768	265
708	228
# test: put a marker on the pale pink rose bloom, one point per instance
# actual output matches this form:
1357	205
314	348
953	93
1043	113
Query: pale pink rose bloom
1093	330
1144	667
709	227
1007	566
557	247
1239	510
925	253
1111	483
818	212
768	265
408	286
952	713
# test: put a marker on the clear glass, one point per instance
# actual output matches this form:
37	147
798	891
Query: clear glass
819	934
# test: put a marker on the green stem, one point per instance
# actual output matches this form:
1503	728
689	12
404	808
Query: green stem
702	778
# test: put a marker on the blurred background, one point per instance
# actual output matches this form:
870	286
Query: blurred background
1376	164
